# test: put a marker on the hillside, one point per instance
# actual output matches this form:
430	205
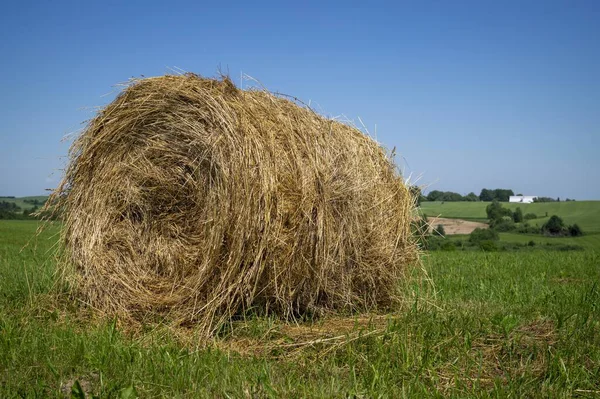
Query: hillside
21	201
585	213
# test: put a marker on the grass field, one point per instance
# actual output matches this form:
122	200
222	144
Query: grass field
495	325
590	241
585	213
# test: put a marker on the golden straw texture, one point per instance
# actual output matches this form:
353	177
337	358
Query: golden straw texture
189	199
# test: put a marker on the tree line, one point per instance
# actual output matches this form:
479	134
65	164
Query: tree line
487	195
498	194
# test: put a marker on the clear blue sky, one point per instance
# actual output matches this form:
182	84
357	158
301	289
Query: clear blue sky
472	94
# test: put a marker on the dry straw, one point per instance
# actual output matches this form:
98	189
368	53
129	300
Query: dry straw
191	200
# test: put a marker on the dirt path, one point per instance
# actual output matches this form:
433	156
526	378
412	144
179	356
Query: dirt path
456	226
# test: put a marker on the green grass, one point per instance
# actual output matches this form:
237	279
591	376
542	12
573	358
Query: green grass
585	213
590	241
496	325
462	210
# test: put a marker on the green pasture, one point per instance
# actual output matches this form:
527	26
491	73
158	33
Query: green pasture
590	241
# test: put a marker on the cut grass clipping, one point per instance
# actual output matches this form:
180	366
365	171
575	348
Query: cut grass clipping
191	200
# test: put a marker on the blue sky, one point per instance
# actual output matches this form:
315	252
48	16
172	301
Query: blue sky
472	94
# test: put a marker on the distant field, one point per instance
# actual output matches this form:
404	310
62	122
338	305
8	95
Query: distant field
585	213
20	201
589	241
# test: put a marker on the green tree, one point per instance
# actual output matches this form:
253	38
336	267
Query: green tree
495	211
471	197
518	215
530	216
554	226
451	196
502	194
435	195
486	195
499	194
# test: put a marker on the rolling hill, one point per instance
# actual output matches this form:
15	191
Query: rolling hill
585	213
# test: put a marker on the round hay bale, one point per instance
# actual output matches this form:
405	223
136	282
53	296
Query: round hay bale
190	199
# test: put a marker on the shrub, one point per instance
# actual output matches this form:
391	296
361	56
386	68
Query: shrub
530	216
517	215
544	199
433	243
575	230
439	230
448	246
510	246
504	225
554	226
525	228
478	235
488	245
568	248
531	243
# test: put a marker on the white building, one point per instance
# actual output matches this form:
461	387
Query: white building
525	199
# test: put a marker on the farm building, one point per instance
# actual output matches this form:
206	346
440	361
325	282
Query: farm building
525	199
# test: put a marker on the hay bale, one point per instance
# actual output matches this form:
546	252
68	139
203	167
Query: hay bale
191	199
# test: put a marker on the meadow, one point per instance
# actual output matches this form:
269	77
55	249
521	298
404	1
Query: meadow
482	325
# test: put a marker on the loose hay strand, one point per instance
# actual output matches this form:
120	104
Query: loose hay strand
191	200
